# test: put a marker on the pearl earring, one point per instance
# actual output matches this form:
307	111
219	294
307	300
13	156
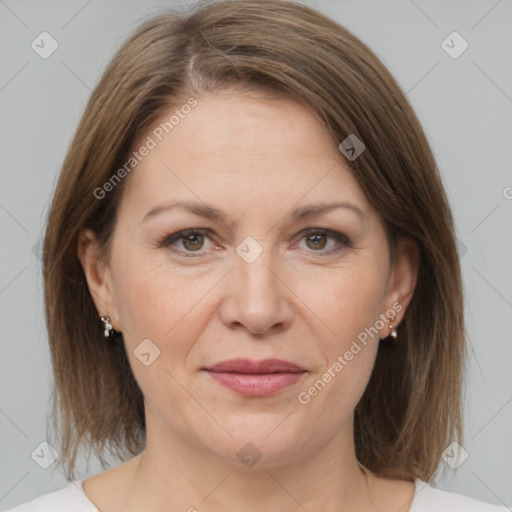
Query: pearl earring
393	333
107	325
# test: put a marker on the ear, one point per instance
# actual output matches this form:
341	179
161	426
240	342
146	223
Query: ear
98	276
402	280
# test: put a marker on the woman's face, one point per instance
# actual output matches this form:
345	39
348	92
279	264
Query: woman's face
270	275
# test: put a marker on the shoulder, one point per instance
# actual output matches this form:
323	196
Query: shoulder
70	498
429	499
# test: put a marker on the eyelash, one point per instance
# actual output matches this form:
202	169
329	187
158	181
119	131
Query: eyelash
169	240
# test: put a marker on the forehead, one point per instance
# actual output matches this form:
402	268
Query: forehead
241	147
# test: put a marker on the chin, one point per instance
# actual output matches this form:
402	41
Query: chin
260	440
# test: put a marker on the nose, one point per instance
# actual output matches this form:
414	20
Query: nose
257	297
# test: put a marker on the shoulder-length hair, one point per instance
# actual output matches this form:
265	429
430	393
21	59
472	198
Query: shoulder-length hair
412	408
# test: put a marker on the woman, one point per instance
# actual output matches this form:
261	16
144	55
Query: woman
251	279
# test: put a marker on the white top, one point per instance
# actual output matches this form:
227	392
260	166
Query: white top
72	498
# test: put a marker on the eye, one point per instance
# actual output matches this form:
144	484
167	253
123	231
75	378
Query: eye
191	242
188	241
317	240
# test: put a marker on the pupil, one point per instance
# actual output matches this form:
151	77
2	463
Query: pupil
315	239
193	240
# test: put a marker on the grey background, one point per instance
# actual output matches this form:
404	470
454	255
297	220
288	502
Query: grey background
465	105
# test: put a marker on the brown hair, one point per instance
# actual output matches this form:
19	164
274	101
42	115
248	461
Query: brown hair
411	408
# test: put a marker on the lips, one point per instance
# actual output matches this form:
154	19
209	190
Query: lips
250	366
256	378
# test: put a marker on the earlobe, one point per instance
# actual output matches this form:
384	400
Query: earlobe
96	272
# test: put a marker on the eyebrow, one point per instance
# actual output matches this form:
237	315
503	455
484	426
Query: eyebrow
215	214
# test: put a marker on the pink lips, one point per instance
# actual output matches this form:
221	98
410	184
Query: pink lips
256	378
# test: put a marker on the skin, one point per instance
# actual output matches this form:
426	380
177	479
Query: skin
257	159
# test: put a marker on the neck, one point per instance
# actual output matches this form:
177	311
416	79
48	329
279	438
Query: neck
183	476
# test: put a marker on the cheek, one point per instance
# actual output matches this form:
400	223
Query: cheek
347	299
350	309
163	307
160	302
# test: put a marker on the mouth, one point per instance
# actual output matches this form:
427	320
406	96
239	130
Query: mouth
256	378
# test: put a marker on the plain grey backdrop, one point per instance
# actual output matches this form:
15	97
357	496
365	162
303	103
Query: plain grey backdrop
463	97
